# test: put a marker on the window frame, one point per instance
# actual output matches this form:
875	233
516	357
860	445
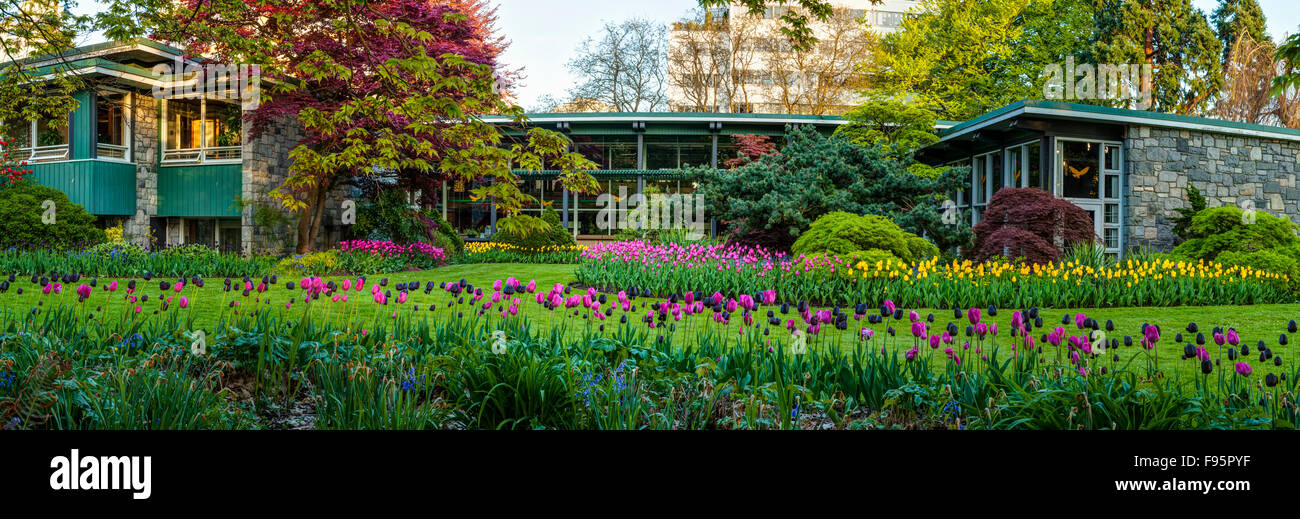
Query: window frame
128	137
203	154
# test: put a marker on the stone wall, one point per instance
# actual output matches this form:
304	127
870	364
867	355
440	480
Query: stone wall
144	148
1227	169
266	166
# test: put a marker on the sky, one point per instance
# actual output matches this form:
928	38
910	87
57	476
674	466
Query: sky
544	34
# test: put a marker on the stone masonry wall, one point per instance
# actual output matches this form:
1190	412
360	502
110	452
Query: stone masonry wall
266	166
144	146
1227	169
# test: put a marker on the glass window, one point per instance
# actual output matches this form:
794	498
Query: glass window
222	126
607	152
1112	158
678	152
50	134
1112	238
110	118
201	130
184	127
1080	164
1015	167
19	132
111	132
1034	166
1112	214
981	181
995	172
1112	186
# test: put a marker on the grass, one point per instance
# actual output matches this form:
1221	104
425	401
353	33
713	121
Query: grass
208	304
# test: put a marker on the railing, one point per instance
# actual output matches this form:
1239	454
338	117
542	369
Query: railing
223	153
43	153
201	155
110	151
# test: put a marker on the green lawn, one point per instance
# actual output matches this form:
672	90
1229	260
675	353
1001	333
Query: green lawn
1253	323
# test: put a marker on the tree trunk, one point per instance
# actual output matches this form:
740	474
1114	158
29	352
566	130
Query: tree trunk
309	221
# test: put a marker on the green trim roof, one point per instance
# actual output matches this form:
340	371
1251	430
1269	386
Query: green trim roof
97	47
1120	115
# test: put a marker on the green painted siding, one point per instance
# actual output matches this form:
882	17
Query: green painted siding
200	191
102	187
81	128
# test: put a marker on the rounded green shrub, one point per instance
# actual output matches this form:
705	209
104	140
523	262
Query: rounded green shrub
843	234
1223	229
21	219
1276	261
555	236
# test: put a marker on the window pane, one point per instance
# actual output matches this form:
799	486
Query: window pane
1112	158
183	125
1015	167
1037	177
981	181
1112	186
1080	169
110	118
19	131
223	126
1112	238
48	134
1112	214
995	170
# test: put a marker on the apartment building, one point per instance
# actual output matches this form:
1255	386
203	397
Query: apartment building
729	60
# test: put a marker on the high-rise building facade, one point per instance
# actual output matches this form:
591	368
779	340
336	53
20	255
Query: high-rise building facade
731	60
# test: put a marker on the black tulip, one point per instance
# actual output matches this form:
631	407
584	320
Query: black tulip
1270	380
1191	328
1110	325
1206	366
1291	327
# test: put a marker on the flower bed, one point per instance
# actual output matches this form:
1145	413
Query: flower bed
670	268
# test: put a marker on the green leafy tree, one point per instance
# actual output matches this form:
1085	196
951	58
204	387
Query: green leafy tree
1288	60
965	58
771	201
898	126
1235	18
36	82
1175	39
390	87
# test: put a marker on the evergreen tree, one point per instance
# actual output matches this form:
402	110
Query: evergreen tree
1236	17
1174	38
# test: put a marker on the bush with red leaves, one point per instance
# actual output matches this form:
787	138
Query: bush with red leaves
1030	224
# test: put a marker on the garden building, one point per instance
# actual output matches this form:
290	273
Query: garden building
1129	169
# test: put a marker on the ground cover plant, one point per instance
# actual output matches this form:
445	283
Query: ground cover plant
423	350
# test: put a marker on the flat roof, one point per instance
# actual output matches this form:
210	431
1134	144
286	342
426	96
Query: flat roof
1106	114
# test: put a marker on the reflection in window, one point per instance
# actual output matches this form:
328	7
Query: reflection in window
50	134
1080	169
184	129
200	130
110	125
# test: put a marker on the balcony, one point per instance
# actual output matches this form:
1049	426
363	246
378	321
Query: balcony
43	154
191	156
111	151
